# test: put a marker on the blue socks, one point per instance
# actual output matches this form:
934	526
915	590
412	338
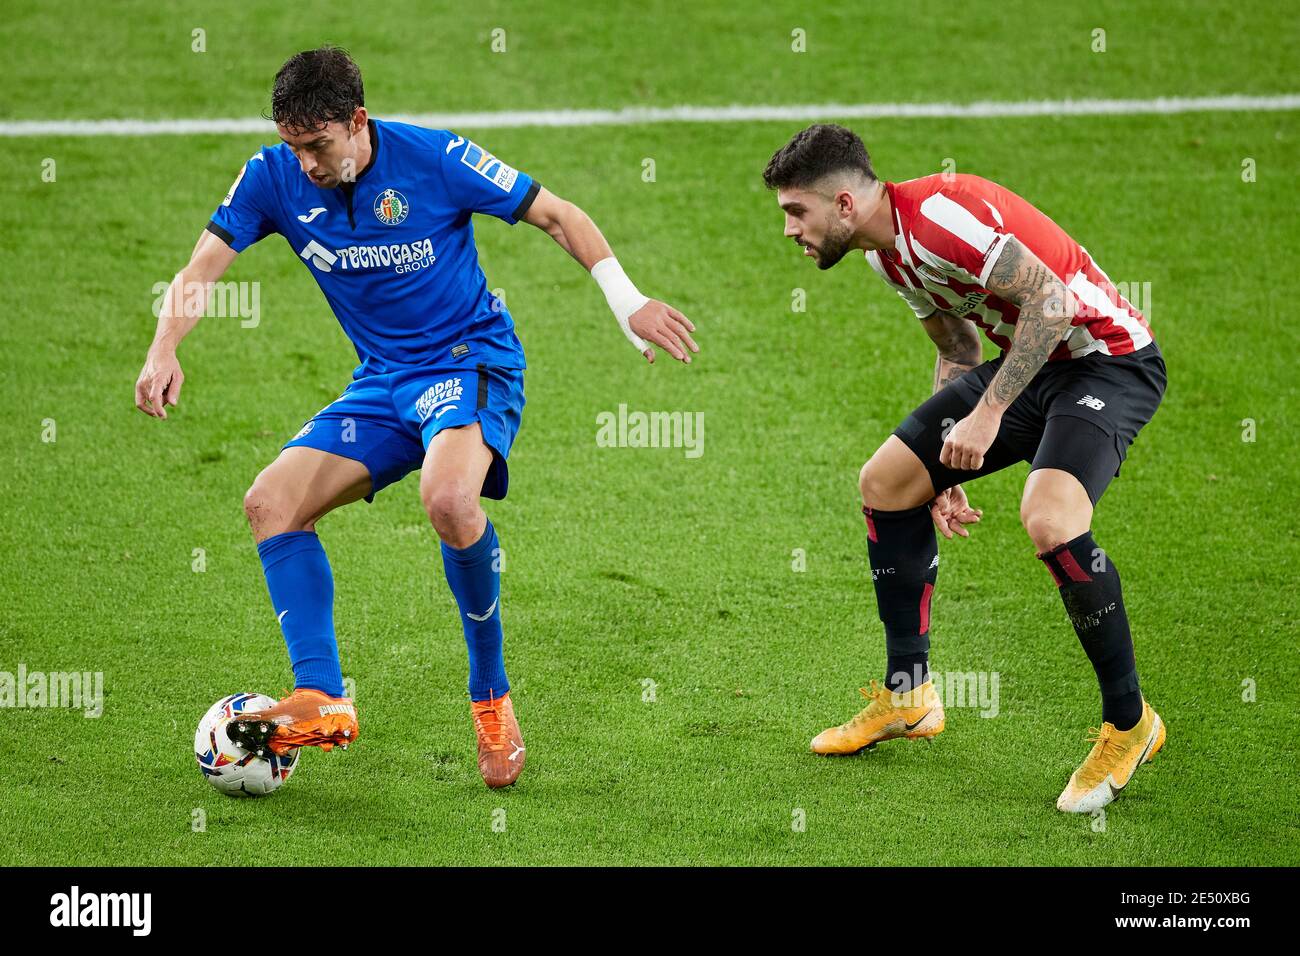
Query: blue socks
476	584
302	593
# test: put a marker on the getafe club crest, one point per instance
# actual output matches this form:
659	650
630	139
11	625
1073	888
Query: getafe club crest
391	207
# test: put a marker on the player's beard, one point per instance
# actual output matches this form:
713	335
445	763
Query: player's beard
838	241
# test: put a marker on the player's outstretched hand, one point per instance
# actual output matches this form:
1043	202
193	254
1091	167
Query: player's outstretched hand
952	512
159	384
663	325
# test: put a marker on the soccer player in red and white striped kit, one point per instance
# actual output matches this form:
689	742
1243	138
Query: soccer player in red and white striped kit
1078	377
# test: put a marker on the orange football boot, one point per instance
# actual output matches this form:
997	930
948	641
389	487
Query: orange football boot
500	744
306	718
917	713
1110	765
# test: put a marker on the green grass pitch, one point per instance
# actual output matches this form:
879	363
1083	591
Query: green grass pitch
631	565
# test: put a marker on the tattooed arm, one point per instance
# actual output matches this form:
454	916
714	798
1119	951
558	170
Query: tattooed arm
958	343
1046	313
959	347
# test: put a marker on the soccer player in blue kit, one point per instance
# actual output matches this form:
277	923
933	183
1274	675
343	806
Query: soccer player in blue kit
380	213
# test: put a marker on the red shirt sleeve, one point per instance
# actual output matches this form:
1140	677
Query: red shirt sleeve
959	233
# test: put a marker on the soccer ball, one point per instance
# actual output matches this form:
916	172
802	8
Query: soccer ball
230	768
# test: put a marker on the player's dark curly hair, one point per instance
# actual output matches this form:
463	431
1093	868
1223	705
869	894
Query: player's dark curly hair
316	87
815	152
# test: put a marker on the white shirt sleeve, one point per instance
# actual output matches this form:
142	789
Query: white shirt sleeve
917	301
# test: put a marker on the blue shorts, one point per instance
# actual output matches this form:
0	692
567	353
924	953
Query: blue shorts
387	421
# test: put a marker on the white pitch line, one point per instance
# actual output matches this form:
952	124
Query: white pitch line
638	115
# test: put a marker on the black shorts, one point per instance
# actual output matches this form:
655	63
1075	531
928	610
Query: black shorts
1077	415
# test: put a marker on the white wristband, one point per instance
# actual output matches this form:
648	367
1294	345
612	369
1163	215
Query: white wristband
622	296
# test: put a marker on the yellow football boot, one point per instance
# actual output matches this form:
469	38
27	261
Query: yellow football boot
915	713
1110	765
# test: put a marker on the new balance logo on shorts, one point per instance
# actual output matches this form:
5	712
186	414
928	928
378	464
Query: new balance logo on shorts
1096	404
437	396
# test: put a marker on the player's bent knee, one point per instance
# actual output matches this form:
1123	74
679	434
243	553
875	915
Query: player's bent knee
877	485
1046	528
257	505
886	483
270	510
866	479
451	507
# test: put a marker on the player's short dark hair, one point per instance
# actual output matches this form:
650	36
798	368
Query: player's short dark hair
816	152
316	87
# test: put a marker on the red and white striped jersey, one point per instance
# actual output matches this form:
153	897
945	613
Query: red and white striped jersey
949	232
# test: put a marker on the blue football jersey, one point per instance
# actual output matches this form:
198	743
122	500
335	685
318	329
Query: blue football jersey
395	256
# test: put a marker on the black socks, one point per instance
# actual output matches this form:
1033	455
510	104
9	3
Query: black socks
1090	589
904	556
